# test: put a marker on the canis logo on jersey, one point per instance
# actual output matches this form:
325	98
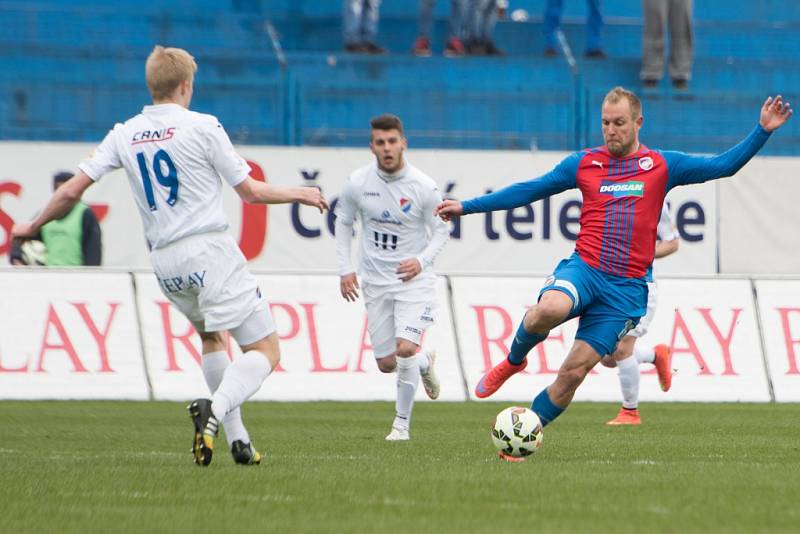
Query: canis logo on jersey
646	163
148	136
405	205
622	189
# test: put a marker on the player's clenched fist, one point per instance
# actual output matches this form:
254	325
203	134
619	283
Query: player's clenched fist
449	209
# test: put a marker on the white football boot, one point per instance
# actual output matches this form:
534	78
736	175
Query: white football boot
429	379
398	434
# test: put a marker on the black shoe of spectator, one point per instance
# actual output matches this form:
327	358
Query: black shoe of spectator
680	85
476	48
597	53
372	48
356	48
550	52
649	83
492	50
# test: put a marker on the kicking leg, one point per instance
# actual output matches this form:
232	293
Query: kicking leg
552	309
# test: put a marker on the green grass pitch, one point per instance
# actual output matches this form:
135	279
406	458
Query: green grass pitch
125	467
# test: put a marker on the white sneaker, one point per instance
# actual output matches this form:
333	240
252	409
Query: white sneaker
429	379
398	434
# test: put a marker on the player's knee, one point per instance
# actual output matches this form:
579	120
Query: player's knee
609	362
543	317
406	349
387	365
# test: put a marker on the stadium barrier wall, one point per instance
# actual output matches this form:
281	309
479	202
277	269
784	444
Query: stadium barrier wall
728	226
112	335
529	239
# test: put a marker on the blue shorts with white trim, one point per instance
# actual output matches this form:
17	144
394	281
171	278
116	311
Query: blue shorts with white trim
608	306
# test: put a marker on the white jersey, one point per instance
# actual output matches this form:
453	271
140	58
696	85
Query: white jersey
666	228
174	159
397	223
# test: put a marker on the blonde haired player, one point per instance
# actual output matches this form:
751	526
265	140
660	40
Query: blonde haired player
400	240
176	161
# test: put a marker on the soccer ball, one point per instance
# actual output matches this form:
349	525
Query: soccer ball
517	432
34	252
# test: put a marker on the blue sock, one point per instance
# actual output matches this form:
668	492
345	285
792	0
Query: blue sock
544	408
523	343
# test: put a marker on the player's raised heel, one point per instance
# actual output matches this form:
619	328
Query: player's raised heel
429	379
626	417
663	363
206	428
244	453
496	377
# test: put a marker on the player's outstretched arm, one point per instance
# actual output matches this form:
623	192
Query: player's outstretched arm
63	200
561	178
774	113
685	169
255	192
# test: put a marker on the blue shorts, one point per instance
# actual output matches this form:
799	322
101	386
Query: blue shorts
609	306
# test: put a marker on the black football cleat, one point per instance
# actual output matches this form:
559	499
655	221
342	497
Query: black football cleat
206	428
244	453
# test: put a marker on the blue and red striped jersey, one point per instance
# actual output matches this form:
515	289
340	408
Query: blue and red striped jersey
622	197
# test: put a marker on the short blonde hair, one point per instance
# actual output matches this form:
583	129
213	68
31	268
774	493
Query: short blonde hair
618	93
166	68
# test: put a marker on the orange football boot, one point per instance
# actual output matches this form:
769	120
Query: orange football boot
496	377
626	417
663	365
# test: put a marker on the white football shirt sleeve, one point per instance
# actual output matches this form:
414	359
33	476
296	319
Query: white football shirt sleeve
105	157
223	157
346	210
666	228
439	230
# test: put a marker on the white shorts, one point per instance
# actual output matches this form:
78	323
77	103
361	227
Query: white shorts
393	314
652	302
205	276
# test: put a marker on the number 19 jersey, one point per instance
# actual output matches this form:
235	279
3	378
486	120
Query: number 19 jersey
175	159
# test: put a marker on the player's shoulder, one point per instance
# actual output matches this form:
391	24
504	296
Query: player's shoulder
420	177
360	176
597	152
205	120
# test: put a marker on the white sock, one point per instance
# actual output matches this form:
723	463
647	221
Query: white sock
424	361
214	365
644	355
241	380
629	382
407	382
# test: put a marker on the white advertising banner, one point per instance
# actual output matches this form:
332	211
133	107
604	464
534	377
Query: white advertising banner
758	229
525	240
325	348
69	335
779	305
710	325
